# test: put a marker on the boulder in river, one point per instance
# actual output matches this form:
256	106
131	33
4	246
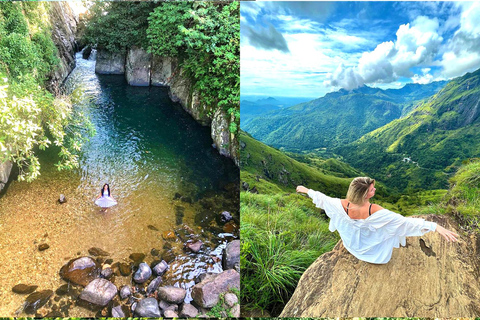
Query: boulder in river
188	311
160	268
94	251
427	278
147	307
62	198
43	247
193	246
231	256
172	294
225	216
117	312
99	291
137	67
167	306
24	288
109	63
36	300
80	270
153	285
125	292
207	293
137	258
170	314
143	273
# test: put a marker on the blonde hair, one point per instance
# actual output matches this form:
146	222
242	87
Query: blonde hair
357	192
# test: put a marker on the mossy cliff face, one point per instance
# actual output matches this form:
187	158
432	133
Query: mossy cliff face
428	278
64	26
143	69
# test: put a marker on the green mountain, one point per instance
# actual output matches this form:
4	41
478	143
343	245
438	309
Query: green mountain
423	149
272	171
337	119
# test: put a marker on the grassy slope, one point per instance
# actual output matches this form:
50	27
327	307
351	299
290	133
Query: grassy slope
439	134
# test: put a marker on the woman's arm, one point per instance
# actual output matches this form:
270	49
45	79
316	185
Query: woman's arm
406	226
302	189
447	234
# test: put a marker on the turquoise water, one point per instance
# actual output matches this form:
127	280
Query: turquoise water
162	170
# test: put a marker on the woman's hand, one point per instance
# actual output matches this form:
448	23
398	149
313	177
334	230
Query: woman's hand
302	189
447	234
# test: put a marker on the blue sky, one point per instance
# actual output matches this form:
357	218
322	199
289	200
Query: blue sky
307	49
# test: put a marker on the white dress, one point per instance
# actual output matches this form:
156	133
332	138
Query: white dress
105	201
371	239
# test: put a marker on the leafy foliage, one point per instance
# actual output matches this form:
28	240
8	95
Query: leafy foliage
118	25
30	116
206	38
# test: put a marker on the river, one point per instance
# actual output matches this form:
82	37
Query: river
162	170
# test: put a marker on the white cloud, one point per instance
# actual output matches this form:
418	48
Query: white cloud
416	45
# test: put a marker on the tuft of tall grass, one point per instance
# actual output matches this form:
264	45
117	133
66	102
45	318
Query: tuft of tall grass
282	235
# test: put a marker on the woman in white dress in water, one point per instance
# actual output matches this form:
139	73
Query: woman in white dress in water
368	231
105	200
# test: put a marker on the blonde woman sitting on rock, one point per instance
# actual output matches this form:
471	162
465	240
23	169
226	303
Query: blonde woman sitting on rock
368	231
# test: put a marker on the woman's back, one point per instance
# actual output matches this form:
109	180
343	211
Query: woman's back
359	212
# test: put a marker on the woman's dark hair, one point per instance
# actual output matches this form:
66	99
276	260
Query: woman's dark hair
108	188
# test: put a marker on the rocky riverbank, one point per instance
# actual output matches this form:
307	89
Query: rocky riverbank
140	289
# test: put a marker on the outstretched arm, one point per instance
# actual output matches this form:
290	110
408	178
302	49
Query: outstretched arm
302	189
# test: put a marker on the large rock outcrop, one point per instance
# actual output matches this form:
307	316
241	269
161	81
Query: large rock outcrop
137	67
225	141
110	62
64	26
430	277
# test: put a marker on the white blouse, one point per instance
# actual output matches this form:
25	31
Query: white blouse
371	239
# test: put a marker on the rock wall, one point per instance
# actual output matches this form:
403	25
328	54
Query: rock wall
5	169
428	278
64	26
143	69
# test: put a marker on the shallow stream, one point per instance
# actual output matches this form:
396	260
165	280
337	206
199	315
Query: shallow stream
162	170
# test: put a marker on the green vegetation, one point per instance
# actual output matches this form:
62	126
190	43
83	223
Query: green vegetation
438	135
123	27
30	116
204	36
336	119
463	199
281	236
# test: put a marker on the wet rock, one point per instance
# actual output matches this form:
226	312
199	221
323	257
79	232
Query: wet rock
24	289
154	252
172	294
80	271
143	273
137	67
153	285
193	246
167	306
188	311
62	199
137	258
133	306
231	256
106	273
147	307
168	256
62	290
169	235
230	299
37	300
206	293
125	269
43	247
98	252
170	314
125	292
99	292
160	268
86	52
225	216
117	312
151	227
230	227
177	196
110	63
